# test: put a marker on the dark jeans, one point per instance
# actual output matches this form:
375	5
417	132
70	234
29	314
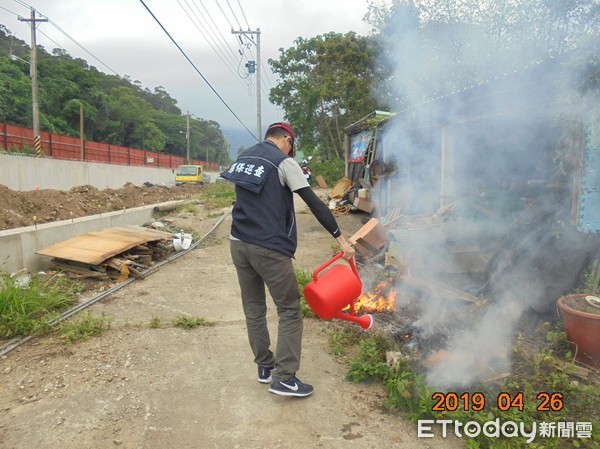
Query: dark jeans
257	267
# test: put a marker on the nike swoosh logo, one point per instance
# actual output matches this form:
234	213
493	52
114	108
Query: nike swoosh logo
291	387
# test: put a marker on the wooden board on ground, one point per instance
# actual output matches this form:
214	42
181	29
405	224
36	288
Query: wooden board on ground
95	247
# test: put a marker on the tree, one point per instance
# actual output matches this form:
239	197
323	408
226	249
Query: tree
15	93
161	100
150	137
325	86
116	109
206	139
128	119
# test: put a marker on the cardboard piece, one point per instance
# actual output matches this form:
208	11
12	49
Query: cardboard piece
363	204
321	181
340	189
371	238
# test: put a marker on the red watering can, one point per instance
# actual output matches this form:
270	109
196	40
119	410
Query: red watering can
337	288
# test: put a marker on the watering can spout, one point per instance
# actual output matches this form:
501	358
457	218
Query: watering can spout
365	321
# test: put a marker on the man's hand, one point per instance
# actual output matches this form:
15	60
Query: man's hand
346	248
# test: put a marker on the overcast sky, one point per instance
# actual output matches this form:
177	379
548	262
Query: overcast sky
123	37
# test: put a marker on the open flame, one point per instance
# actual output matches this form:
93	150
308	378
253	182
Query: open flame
382	299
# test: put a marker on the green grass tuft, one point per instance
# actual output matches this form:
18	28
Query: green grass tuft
29	302
84	327
186	322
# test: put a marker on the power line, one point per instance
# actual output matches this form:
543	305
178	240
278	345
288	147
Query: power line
241	44
216	27
81	46
210	35
234	16
55	25
50	39
219	44
219	52
237	73
197	70
8	10
224	15
265	88
214	32
244	15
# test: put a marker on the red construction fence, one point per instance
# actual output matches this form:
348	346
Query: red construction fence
18	139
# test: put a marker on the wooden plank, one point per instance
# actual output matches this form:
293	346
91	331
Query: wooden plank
82	271
95	247
322	183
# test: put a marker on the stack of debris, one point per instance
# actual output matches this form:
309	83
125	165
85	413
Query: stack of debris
114	253
346	197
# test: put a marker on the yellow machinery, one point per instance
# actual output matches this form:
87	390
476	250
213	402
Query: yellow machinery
189	174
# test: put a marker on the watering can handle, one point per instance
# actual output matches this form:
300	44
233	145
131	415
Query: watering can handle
333	259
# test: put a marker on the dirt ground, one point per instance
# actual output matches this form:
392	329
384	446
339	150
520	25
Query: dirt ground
145	386
18	209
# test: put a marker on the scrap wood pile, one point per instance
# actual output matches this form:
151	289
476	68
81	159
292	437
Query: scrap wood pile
431	308
133	262
389	275
115	253
346	197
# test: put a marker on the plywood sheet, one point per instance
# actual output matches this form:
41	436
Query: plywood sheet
95	247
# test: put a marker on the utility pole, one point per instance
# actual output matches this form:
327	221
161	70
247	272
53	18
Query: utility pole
37	140
257	67
187	138
81	136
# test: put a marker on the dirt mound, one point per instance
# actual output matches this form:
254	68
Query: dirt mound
18	209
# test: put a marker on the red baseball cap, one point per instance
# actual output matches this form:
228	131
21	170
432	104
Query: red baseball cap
288	128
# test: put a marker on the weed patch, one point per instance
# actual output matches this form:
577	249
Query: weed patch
84	327
304	277
186	322
29	302
217	195
543	387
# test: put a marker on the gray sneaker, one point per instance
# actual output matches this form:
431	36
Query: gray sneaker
291	387
264	374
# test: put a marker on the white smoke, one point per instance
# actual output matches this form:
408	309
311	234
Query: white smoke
447	77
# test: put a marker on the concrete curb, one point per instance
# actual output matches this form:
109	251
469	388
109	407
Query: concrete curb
18	246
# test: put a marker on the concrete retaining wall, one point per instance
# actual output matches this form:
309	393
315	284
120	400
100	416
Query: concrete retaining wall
24	173
18	246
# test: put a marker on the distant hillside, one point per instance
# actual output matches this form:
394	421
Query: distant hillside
116	111
237	138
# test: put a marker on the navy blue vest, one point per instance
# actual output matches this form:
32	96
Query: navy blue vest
263	213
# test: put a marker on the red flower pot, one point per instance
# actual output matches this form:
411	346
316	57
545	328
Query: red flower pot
583	330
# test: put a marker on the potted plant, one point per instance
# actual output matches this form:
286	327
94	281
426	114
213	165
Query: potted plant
581	319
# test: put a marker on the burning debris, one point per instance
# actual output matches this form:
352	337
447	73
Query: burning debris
382	299
487	197
458	324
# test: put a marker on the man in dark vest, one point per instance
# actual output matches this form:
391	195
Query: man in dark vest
263	243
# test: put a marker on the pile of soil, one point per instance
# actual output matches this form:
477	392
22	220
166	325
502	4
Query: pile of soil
18	209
